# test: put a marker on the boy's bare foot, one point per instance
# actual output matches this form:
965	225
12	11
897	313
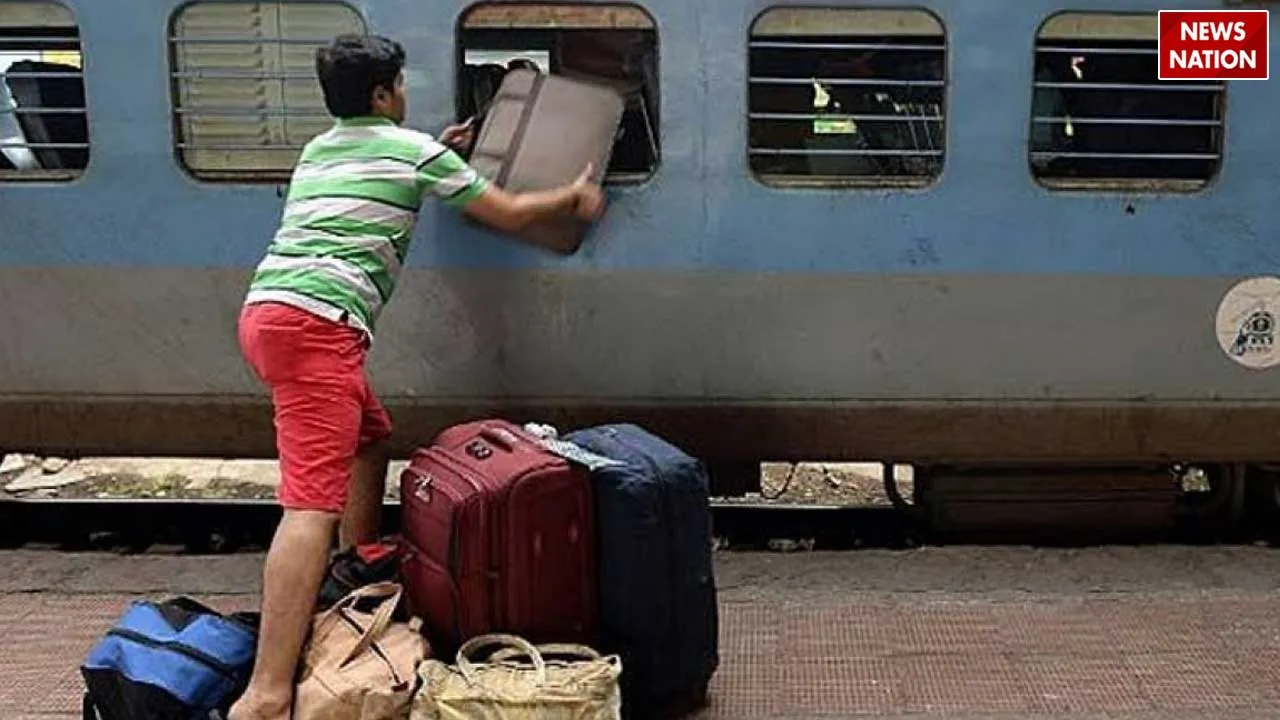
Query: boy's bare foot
253	707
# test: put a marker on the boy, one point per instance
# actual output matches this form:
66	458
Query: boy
309	317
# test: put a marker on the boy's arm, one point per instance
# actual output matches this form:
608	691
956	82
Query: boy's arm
458	185
511	212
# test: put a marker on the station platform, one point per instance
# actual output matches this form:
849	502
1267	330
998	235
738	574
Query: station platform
935	633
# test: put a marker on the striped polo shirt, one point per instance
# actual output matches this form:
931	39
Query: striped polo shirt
349	218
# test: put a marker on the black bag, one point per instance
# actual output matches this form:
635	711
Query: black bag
357	567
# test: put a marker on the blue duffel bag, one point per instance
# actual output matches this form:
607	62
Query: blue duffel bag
657	586
172	660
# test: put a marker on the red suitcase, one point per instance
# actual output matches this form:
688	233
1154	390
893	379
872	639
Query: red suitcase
497	536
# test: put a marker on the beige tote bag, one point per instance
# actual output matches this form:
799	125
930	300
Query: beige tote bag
519	683
360	665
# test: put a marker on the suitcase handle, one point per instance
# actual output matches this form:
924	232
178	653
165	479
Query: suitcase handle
501	437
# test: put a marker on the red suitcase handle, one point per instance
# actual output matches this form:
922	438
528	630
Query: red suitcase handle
501	437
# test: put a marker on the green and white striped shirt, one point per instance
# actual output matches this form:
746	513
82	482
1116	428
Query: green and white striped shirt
349	216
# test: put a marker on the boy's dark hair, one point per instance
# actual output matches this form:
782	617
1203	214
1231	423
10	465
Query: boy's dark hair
352	66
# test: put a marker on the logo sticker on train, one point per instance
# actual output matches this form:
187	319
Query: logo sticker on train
1214	44
1246	322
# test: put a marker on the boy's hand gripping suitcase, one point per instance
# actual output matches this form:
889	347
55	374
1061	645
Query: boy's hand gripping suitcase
498	536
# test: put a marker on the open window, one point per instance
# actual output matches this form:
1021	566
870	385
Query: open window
846	97
245	94
614	44
1101	118
44	130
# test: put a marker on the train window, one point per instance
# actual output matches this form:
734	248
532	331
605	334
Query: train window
1101	118
614	44
846	97
44	131
244	86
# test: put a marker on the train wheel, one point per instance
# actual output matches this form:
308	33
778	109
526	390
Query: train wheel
1262	501
10	525
1211	500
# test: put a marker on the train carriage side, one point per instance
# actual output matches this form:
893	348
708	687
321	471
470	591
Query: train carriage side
923	231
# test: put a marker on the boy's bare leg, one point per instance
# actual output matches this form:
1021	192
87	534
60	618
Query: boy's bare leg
290	582
363	516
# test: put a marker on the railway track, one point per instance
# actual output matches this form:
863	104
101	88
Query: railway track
228	526
830	508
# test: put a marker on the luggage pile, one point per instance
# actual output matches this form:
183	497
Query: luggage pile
581	565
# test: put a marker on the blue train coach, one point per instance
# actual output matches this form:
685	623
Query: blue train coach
929	232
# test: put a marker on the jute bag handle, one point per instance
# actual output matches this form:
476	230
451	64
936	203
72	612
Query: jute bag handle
600	663
524	647
509	653
381	619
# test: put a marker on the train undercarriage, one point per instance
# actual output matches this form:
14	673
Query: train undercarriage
1020	472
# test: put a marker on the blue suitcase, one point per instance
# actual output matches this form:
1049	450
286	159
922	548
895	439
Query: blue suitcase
657	587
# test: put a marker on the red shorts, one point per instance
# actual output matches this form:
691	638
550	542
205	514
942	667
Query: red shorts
324	408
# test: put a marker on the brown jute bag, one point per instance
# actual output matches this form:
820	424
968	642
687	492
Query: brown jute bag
359	665
519	682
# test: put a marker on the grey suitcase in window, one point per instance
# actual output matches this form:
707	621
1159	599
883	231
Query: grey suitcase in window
538	133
